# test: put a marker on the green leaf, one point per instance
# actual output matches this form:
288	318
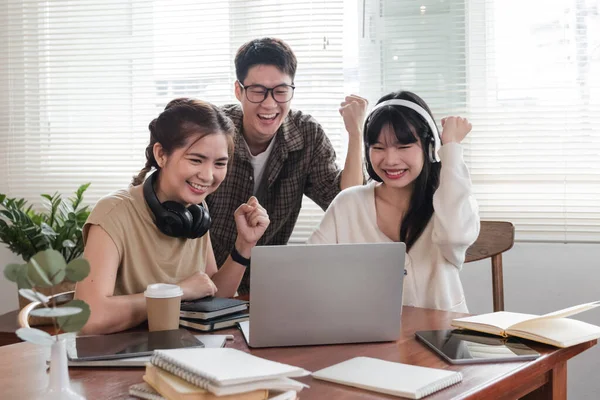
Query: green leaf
37	275
82	189
11	272
47	229
68	243
23	281
8	214
55	312
32	295
35	336
78	269
73	323
2	198
52	263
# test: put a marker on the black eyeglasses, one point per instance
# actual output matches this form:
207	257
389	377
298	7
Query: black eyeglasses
258	93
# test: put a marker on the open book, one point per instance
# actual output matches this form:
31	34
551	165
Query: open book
554	328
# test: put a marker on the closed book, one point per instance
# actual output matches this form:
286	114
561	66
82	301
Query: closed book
553	328
211	307
208	325
175	388
389	377
228	371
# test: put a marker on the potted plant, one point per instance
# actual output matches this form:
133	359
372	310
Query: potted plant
47	269
57	226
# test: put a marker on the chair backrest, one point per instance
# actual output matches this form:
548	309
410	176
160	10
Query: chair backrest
495	237
60	298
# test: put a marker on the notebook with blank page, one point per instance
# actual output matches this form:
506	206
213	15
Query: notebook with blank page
228	371
389	377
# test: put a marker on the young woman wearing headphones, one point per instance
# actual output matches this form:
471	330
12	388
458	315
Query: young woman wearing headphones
155	231
413	198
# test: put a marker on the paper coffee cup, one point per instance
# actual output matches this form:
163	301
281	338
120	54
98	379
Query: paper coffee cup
162	303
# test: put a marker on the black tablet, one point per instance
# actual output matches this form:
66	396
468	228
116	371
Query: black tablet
129	344
467	347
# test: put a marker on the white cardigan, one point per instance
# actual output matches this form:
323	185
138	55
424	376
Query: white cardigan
434	261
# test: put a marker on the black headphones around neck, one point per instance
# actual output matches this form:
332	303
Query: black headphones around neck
173	218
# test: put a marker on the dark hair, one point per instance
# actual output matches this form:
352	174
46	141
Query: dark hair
265	51
401	119
181	119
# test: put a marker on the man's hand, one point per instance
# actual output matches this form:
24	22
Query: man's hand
353	110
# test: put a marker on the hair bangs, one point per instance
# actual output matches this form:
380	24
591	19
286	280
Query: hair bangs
396	117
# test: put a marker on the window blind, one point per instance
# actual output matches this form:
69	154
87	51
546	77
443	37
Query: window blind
527	74
82	80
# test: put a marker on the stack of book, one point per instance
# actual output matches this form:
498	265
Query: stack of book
211	374
212	313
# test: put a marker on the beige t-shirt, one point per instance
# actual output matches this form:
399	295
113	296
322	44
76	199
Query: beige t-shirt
146	255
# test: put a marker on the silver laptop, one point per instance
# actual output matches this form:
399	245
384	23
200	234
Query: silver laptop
325	294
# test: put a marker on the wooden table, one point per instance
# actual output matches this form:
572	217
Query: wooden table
23	368
8	326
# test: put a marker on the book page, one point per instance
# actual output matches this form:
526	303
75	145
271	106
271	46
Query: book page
494	323
567	312
559	332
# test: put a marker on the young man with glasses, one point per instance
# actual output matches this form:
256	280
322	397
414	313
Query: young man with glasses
280	154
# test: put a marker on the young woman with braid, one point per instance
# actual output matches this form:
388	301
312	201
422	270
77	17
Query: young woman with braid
155	231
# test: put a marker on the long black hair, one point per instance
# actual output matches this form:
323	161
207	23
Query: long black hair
401	119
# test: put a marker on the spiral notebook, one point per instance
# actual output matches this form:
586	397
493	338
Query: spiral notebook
389	377
228	371
146	392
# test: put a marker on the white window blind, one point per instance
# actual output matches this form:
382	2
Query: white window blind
82	79
527	73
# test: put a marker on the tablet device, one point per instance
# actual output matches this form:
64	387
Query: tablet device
468	347
129	344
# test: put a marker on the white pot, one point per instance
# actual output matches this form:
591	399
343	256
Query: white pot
59	386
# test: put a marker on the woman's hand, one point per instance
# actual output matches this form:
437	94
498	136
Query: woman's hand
252	221
454	129
353	111
197	286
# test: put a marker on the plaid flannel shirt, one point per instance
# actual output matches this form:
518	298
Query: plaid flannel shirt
301	162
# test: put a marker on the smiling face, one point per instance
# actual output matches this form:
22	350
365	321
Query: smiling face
192	172
262	120
398	165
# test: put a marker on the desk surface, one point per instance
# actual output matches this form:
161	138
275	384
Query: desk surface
23	368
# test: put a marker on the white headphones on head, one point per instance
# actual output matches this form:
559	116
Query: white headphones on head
433	150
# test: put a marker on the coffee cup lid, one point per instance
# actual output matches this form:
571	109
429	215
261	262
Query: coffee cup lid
162	291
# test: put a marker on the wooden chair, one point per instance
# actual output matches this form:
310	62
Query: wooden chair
495	237
23	316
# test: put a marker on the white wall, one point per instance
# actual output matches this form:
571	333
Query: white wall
538	278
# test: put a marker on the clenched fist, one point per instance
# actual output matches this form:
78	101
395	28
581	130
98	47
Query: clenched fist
353	111
252	221
454	129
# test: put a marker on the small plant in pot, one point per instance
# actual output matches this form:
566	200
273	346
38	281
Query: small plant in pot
58	225
47	269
